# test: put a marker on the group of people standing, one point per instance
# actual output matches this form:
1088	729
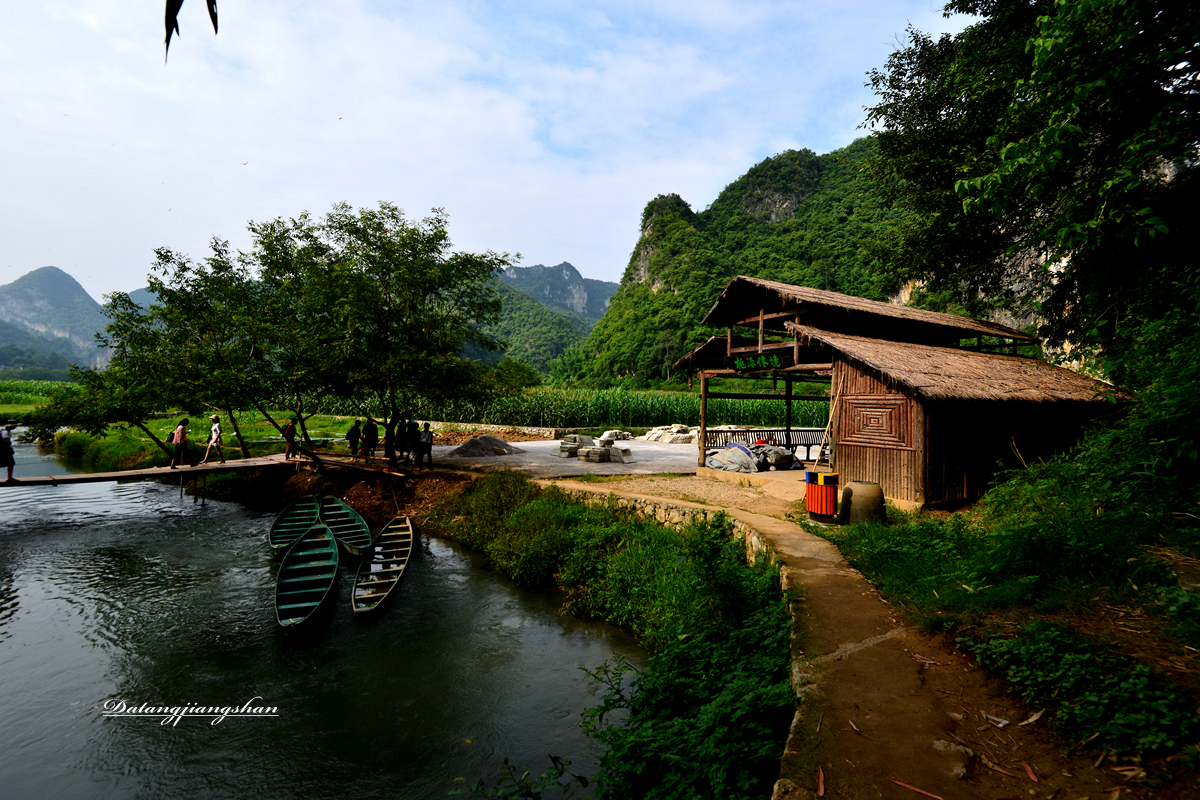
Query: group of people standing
412	443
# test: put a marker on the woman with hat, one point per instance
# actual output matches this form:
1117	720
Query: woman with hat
214	440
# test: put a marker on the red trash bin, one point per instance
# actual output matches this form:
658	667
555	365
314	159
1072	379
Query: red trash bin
820	493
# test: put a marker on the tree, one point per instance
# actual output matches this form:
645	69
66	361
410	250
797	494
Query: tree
124	392
405	309
171	20
1041	153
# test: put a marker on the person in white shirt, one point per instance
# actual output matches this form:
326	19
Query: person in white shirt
214	440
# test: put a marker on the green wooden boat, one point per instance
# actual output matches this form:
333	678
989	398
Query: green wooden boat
292	523
306	575
347	526
382	568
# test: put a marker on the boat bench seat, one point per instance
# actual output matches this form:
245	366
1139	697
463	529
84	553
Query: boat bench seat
325	576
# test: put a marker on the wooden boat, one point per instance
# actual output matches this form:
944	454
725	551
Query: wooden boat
306	575
292	523
382	568
347	526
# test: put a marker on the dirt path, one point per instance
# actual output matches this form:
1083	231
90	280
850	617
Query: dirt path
887	711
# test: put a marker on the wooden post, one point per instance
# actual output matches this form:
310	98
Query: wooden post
728	341
760	329
787	394
703	438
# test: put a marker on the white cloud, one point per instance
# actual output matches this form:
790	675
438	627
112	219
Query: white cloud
541	128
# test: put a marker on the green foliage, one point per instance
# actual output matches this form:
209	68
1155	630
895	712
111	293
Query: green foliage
1128	709
557	781
533	333
1181	605
31	364
1038	541
706	716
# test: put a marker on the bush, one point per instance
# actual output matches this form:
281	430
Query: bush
1127	709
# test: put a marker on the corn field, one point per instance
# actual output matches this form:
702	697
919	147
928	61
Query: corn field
581	408
26	393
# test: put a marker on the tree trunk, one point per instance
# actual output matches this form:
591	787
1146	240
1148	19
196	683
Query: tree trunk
161	444
237	434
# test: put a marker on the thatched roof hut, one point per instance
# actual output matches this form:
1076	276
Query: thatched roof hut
915	404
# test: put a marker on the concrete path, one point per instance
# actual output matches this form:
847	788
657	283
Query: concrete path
540	460
867	712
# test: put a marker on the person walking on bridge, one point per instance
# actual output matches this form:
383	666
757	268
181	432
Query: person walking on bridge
214	440
179	439
352	436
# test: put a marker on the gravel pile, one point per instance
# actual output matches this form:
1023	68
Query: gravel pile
484	447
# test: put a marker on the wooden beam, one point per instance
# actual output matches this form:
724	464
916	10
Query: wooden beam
760	328
729	341
754	320
746	396
703	438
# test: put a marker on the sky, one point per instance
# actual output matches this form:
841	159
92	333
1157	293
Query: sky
541	128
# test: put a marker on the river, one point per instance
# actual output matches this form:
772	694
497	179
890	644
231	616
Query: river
126	592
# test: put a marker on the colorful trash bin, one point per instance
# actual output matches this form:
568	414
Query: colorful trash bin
820	494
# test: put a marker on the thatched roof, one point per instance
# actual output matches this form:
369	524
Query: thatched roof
744	297
947	373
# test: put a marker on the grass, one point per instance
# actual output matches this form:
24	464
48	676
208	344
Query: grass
1039	551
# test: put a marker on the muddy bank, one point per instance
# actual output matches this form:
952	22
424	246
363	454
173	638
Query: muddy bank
377	498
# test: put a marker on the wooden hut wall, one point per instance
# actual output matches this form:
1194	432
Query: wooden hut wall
879	434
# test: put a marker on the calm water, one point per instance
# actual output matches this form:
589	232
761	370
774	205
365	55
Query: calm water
127	592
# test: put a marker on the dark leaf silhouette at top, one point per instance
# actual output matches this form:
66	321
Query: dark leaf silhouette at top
172	20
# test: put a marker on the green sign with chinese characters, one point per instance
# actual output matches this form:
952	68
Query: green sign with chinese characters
757	362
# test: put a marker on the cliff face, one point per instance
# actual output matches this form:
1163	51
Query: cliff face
52	303
562	288
795	217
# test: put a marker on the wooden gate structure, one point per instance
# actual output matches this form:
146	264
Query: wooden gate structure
928	405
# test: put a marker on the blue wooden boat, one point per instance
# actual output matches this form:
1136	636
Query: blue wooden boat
306	576
383	566
292	523
347	526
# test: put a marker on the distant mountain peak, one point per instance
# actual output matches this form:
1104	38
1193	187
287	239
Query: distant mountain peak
52	303
562	288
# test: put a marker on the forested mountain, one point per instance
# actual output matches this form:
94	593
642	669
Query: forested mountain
562	288
535	334
796	217
47	312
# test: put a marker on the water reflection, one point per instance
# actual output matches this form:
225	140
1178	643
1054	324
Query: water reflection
126	592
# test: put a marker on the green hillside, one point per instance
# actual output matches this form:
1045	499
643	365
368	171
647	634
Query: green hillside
535	334
796	217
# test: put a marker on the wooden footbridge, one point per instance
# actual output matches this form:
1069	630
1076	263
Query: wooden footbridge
151	474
